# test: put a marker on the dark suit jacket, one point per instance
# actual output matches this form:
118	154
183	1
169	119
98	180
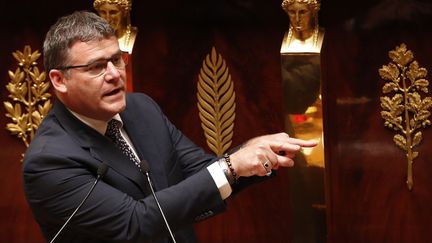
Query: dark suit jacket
61	163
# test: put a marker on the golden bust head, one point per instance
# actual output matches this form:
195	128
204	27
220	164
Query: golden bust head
313	4
117	14
303	16
125	5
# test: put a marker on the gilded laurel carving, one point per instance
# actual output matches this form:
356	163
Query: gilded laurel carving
29	94
406	112
216	102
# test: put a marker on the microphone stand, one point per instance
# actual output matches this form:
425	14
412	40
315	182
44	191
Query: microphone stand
144	168
103	168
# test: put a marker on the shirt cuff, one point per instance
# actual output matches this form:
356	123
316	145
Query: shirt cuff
220	179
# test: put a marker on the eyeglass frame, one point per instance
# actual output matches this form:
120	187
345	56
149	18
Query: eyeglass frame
123	64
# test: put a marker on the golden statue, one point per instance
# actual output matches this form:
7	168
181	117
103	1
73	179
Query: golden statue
304	33
302	106
117	13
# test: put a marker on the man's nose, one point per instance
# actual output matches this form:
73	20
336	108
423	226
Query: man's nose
111	70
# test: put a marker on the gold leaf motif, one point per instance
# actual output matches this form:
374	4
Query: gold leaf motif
389	87
407	112
400	141
389	72
401	55
216	103
30	94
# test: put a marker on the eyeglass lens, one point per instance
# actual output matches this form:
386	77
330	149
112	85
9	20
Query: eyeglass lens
99	67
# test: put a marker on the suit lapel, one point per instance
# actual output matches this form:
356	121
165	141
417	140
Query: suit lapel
100	147
142	136
105	151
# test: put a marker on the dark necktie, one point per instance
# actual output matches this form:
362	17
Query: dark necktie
113	132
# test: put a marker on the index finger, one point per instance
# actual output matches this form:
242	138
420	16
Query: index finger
292	145
303	143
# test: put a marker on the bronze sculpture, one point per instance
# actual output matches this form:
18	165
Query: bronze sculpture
117	13
304	33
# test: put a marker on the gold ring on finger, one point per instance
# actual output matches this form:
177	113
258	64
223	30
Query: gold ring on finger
266	165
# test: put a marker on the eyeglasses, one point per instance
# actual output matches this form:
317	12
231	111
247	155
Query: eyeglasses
99	67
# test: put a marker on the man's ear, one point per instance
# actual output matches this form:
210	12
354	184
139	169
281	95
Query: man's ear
58	80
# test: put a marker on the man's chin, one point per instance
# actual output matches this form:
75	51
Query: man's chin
118	106
117	103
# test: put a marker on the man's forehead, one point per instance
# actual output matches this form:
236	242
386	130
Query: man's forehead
93	49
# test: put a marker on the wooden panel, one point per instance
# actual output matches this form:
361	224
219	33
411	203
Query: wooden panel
251	50
173	40
17	224
368	200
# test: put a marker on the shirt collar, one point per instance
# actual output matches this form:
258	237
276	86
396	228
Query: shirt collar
98	125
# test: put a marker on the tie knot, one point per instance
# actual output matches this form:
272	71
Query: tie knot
113	127
113	132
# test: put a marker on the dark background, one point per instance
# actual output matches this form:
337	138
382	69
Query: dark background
367	200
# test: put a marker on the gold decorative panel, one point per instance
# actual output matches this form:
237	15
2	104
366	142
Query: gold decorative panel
406	111
216	102
29	94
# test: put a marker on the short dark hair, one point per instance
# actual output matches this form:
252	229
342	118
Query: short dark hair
78	26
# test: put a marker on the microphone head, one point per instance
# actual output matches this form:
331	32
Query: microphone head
102	170
144	166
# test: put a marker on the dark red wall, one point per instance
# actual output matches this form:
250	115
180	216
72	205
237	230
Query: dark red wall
367	199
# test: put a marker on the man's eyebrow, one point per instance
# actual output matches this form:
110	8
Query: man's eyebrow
118	53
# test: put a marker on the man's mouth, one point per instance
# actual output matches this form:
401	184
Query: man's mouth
114	92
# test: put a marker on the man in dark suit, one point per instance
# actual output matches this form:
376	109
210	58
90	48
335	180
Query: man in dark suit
86	69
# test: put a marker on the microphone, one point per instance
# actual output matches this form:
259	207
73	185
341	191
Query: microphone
145	169
102	170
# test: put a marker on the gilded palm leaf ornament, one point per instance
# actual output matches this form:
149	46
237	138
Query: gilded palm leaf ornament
406	111
216	102
29	94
